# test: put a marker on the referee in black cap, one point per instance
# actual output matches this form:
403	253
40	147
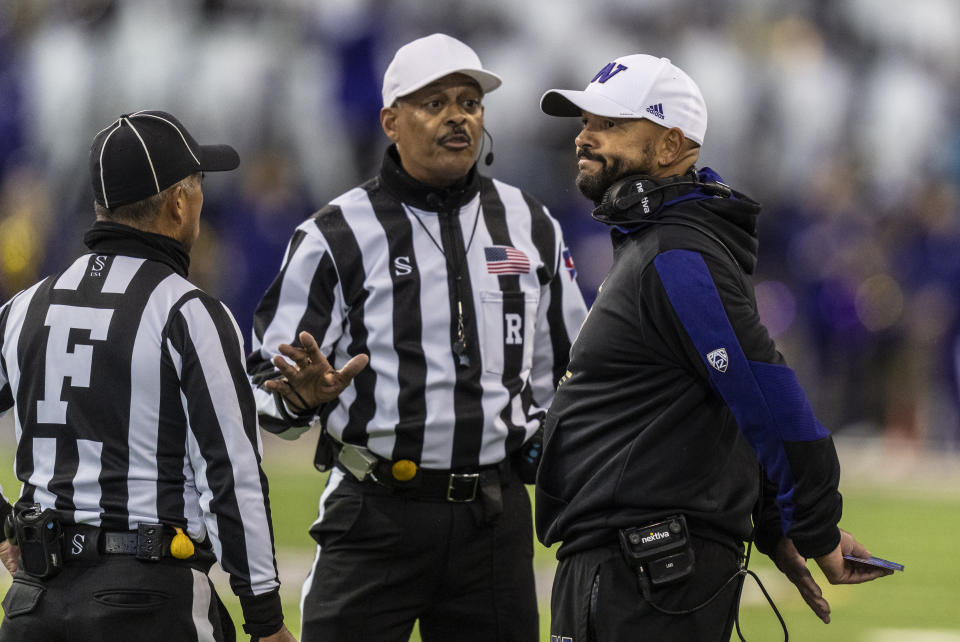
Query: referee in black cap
137	442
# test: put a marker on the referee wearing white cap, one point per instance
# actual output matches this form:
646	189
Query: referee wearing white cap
137	441
676	402
462	292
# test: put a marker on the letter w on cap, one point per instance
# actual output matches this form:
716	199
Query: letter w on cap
608	72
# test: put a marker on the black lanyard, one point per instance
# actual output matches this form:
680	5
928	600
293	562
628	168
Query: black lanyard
456	269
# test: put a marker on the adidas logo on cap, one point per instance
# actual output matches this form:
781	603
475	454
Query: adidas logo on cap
656	110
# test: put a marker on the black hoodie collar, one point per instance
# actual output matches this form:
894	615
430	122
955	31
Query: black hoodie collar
107	237
409	190
732	220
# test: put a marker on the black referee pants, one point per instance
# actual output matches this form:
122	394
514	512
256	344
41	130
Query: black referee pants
596	598
385	561
120	598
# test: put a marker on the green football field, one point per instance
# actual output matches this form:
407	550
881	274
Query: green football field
914	522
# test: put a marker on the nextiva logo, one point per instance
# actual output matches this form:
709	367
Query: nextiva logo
645	201
652	537
608	72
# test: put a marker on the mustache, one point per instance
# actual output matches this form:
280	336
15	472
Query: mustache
587	154
456	131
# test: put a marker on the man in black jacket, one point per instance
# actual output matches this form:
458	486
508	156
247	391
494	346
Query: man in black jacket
676	402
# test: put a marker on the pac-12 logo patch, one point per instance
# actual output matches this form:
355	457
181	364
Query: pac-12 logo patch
718	359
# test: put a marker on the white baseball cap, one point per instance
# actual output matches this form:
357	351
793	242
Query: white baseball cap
418	63
637	86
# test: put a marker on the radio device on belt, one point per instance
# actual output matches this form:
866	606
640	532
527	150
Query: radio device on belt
659	552
38	534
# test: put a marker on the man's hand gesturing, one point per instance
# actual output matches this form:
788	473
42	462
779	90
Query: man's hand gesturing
311	380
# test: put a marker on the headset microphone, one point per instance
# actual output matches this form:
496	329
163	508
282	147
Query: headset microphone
488	159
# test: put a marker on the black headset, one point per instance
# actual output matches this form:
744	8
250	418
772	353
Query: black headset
646	196
620	199
488	159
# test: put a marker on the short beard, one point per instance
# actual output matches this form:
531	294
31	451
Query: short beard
594	186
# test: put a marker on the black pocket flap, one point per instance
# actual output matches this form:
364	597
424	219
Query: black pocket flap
22	597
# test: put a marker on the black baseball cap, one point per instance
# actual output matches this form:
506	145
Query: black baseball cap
144	153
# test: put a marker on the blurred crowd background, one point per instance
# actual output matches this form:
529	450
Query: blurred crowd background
841	117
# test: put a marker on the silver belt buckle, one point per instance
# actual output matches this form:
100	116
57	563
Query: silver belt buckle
462	480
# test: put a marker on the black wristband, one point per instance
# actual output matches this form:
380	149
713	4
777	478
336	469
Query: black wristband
262	614
296	418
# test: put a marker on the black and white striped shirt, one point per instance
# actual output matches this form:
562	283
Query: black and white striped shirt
375	272
131	404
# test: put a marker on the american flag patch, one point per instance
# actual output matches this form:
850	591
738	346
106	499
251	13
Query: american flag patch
502	259
568	263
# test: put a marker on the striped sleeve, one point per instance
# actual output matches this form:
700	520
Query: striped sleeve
6	403
223	447
305	296
560	314
763	395
6	394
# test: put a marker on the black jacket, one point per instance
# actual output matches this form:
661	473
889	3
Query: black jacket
675	390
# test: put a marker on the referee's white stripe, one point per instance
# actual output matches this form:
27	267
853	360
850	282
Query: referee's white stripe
145	382
198	465
11	342
294	292
488	299
44	458
496	399
122	271
226	405
437	351
202	596
86	483
71	277
195	472
299	267
377	312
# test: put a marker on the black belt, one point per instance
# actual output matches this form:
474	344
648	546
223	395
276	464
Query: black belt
82	542
444	485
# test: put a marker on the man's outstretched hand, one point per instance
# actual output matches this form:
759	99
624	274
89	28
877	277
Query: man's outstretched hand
311	380
836	569
841	571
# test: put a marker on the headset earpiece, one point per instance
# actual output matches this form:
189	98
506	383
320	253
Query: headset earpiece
647	195
629	192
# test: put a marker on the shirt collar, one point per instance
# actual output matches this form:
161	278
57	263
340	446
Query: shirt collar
108	237
417	194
